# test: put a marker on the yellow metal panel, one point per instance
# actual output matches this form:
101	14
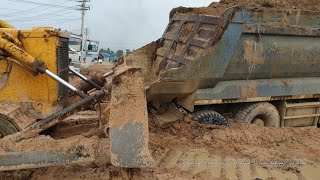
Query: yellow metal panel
41	91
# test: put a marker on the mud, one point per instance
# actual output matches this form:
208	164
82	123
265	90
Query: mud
93	72
189	151
186	150
217	8
143	58
129	97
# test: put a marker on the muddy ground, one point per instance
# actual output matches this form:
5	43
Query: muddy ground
189	151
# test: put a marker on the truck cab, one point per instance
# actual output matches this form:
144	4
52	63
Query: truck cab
91	51
75	45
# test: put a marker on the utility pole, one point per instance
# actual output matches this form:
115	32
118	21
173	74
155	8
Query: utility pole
87	33
83	8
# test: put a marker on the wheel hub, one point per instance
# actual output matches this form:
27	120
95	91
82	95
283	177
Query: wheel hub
258	122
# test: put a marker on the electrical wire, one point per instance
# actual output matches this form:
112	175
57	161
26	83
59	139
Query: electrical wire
36	9
42	16
38	3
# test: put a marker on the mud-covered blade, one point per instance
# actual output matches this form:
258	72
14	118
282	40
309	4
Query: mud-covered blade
129	133
37	159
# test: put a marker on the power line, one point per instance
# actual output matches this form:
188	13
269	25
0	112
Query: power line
36	9
49	20
45	4
49	23
41	16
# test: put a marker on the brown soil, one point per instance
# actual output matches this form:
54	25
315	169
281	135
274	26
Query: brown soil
189	151
242	140
94	73
143	58
96	69
217	8
129	97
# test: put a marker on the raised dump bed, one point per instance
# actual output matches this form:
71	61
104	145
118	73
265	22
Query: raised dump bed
245	55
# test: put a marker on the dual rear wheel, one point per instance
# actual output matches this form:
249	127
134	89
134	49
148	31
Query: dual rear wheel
261	114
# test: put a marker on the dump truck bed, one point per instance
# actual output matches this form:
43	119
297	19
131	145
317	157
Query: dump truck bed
246	54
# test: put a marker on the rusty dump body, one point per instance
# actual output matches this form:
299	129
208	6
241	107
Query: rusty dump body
246	54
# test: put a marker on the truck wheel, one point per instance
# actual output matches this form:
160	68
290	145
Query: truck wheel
6	127
261	114
209	117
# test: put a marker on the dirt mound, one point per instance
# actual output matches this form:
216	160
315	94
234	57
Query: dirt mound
217	8
304	5
94	73
241	140
143	58
96	69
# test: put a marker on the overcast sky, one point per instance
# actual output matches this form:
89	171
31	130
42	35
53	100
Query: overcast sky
118	24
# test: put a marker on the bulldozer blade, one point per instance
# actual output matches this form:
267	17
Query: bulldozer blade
44	151
38	159
128	124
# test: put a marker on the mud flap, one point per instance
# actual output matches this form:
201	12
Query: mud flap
128	124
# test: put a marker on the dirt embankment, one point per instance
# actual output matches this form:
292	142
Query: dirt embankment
217	8
143	58
93	72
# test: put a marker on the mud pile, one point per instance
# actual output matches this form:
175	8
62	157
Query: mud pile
92	72
242	140
190	151
143	58
96	69
217	8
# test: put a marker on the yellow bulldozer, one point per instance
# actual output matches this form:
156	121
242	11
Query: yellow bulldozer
34	91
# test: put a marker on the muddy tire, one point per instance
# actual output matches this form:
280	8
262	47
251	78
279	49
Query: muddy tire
6	127
209	117
262	114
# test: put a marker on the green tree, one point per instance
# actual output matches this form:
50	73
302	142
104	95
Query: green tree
119	53
128	52
108	51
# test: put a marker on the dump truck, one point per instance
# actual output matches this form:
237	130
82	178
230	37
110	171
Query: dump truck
259	64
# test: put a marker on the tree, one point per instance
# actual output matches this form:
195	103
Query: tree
128	52
119	53
108	51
